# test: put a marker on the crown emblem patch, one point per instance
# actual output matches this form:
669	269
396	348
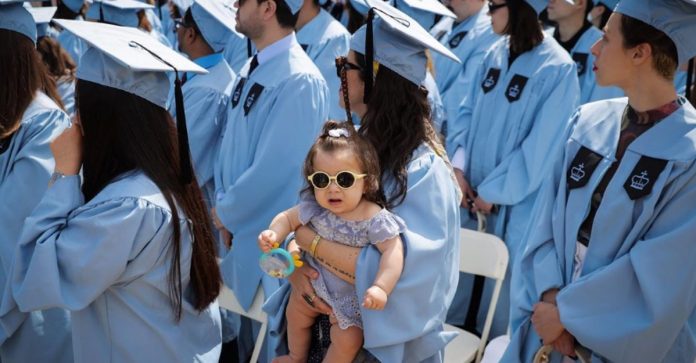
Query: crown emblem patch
582	167
643	177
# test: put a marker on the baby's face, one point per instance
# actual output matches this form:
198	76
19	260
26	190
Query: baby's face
339	201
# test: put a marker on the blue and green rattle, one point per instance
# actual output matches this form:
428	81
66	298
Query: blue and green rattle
279	263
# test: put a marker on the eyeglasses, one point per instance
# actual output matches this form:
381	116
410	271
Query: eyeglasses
179	23
344	179
342	64
493	7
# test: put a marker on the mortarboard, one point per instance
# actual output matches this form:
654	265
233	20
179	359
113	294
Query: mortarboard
133	61
396	41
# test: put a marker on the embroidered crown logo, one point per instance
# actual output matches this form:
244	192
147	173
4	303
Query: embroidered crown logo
514	91
490	81
250	100
577	172
638	182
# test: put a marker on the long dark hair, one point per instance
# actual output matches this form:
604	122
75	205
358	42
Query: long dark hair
523	27
22	73
397	122
125	132
363	150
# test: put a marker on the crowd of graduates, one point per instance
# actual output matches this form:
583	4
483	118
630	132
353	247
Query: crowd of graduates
153	153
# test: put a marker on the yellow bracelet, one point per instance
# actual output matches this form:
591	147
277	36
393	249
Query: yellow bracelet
313	246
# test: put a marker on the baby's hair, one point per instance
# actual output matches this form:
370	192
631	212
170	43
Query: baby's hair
337	136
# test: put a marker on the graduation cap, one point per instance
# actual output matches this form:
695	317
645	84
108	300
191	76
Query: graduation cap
133	61
609	4
676	18
73	5
182	5
119	12
538	5
396	41
294	5
42	17
215	20
423	11
360	6
15	17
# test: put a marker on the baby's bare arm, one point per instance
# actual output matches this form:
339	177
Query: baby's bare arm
285	222
390	264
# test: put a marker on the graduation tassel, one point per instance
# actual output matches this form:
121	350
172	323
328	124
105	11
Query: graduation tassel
369	56
181	131
101	11
340	63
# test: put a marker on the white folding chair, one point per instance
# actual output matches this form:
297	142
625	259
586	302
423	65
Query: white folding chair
486	255
228	301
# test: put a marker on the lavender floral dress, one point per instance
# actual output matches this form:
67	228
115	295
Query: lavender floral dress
340	295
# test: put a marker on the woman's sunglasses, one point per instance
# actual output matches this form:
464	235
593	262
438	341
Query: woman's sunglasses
342	64
344	179
493	7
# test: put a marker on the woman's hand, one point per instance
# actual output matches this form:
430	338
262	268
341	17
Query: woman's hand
303	292
67	150
547	322
481	205
565	344
468	195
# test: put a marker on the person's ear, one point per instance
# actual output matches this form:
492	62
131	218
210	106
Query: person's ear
641	53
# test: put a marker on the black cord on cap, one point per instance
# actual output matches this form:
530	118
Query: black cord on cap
182	132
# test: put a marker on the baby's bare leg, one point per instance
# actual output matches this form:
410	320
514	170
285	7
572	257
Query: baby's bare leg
300	321
345	344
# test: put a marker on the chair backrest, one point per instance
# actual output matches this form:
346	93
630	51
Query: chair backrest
482	254
486	255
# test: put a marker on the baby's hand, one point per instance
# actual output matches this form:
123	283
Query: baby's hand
375	298
267	240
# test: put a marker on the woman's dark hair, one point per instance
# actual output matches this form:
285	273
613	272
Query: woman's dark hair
124	132
285	17
64	12
397	122
23	73
189	22
523	27
355	19
664	52
363	150
605	15
60	64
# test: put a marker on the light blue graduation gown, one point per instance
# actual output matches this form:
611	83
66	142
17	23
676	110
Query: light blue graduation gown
274	117
469	40
511	127
236	51
155	21
25	167
437	109
324	39
66	90
581	53
680	82
636	296
206	99
108	261
410	328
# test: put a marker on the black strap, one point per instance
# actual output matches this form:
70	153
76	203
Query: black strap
253	65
